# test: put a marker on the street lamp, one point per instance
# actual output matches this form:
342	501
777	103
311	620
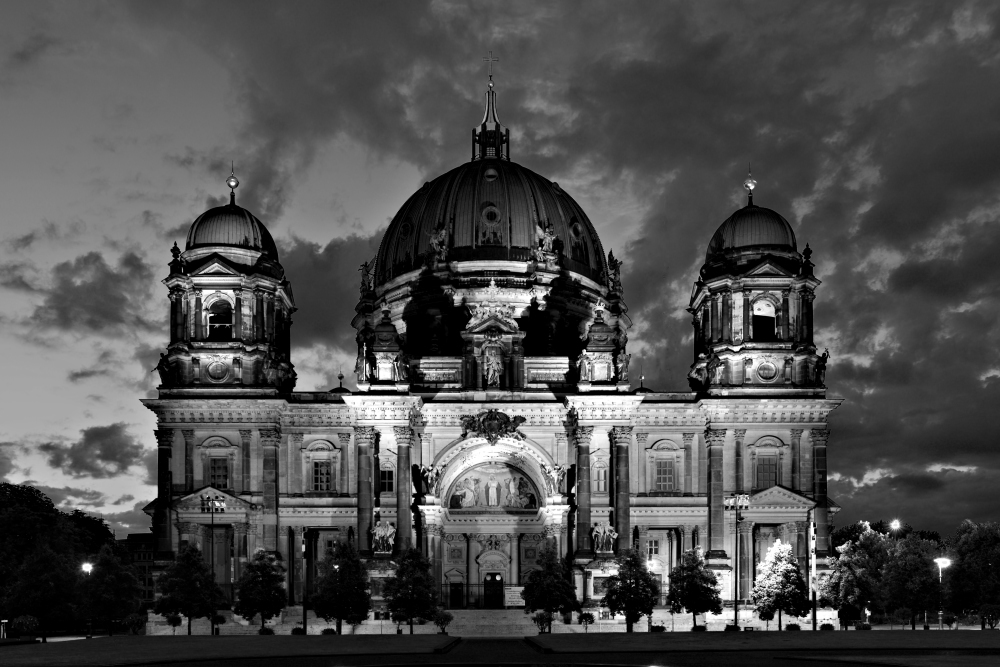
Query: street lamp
941	563
212	504
87	569
895	525
738	501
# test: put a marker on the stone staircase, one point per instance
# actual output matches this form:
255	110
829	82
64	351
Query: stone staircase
491	623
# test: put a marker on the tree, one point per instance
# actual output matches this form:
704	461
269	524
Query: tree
188	587
909	577
633	591
342	591
44	586
548	588
111	591
693	587
260	589
973	578
856	573
412	592
779	585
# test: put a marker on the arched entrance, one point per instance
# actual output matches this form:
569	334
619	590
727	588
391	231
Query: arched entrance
493	591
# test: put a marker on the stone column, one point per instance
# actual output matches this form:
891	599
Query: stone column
164	488
404	495
364	438
239	549
727	316
188	460
258	316
716	438
807	317
238	316
688	439
515	559
270	439
686	534
245	434
747	316
199	331
716	320
622	437
797	460
745	542
740	433
582	435
643	541
819	437
344	484
784	315
639	458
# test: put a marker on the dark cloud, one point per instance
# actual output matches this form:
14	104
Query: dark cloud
15	276
124	499
101	451
6	459
30	51
87	373
131	521
88	296
69	497
871	127
49	231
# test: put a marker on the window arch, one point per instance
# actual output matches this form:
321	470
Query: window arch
599	477
321	465
218	458
767	462
764	322
386	477
663	468
220	321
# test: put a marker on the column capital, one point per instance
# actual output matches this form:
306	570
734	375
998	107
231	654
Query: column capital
404	435
365	435
641	437
345	439
245	435
746	527
188	435
740	433
688	438
270	436
685	530
164	438
622	435
583	434
643	530
715	436
796	434
819	437
295	439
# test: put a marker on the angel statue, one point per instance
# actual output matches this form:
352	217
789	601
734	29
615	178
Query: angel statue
614	273
366	277
621	366
439	244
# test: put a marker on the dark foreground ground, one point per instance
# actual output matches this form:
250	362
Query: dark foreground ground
830	649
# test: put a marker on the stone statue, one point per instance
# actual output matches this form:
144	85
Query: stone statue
584	366
820	376
439	244
546	238
493	362
402	366
366	277
614	273
604	536
554	476
361	364
383	535
165	369
715	369
698	375
621	366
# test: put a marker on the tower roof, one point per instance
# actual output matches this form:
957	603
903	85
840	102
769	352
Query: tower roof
231	226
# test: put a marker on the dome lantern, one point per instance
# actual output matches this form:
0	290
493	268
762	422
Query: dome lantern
491	140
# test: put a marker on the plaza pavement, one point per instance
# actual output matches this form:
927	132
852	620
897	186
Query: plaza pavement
717	649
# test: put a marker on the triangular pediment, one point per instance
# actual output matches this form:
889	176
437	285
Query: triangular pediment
215	267
779	496
193	502
492	322
768	268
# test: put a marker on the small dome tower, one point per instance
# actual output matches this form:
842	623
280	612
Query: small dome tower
752	309
230	306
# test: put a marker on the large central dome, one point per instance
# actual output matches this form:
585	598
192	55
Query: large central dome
492	209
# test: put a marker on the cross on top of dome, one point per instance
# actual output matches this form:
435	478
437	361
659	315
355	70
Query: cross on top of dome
749	185
233	183
490	139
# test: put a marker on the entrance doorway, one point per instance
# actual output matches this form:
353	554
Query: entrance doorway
493	591
456	595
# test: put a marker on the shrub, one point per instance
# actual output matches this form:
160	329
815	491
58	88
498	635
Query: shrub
136	623
827	626
442	619
298	631
698	628
658	628
174	621
219	619
265	631
542	620
793	627
585	618
328	631
862	626
25	625
949	619
732	628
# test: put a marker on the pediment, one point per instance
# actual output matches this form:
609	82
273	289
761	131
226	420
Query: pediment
501	323
779	496
193	502
215	268
769	268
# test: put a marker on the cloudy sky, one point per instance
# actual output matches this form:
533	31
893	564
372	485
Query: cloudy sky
873	127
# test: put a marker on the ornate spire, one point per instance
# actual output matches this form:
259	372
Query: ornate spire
490	139
233	183
749	185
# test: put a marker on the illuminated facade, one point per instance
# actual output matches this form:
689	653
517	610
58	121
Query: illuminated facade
495	411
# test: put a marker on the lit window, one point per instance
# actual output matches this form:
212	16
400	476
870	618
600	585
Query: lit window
322	476
664	480
218	469
386	480
767	471
652	548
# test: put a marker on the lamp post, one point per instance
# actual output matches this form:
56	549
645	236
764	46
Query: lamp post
894	527
87	569
212	504
738	501
941	563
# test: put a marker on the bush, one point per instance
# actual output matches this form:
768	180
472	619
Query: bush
658	628
732	628
219	619
793	627
698	628
542	620
585	618
136	623
265	631
25	625
328	631
298	631
862	626
949	619
827	626
442	619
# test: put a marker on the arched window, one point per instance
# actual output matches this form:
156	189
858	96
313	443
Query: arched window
663	468
386	478
220	321
599	477
764	322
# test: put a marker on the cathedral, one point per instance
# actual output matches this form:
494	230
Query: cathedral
496	413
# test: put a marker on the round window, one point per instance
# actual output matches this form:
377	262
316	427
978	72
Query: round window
217	371
490	174
767	371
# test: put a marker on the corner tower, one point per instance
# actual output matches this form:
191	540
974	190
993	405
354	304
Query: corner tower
752	309
230	307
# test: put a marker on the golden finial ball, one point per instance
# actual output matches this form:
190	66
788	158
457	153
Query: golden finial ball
232	182
749	184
